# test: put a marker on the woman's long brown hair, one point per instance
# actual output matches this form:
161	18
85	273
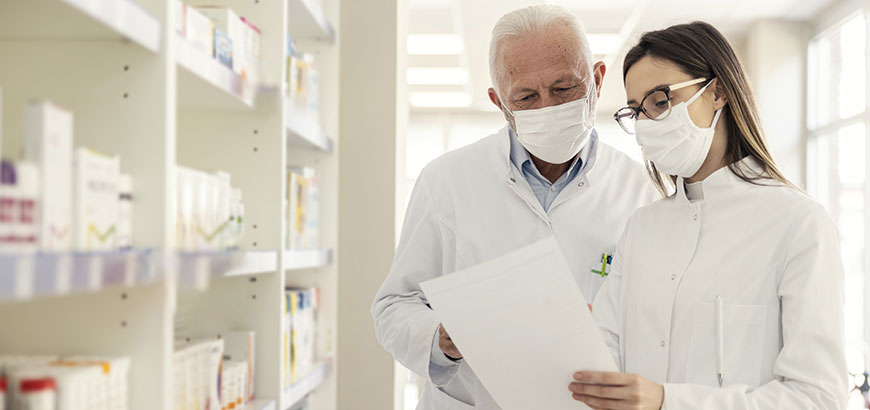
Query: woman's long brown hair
700	50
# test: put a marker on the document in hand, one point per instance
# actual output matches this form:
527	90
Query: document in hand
522	324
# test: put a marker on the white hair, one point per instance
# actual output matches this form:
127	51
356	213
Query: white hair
531	20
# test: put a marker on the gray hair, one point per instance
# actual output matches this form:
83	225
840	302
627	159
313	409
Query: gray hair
528	20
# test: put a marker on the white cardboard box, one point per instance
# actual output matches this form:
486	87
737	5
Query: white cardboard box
199	31
96	200
239	347
49	146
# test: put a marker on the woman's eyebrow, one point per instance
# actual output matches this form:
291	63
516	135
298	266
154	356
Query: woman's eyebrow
660	86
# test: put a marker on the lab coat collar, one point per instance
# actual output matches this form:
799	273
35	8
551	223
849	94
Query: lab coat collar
721	182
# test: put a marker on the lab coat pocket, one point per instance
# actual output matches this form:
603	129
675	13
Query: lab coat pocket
742	344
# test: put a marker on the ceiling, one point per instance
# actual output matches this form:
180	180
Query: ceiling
624	20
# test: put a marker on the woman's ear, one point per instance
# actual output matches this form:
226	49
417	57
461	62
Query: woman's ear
720	98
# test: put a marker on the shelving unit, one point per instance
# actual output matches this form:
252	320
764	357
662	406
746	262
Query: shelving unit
81	20
139	91
305	131
295	393
28	276
206	84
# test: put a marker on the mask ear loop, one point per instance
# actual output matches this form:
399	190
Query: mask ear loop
698	95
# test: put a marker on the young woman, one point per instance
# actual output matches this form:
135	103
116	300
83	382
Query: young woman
728	293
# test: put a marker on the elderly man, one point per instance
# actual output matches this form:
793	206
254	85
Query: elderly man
544	174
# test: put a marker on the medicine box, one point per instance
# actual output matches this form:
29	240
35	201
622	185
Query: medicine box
95	200
49	146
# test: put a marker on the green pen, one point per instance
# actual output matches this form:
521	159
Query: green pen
604	264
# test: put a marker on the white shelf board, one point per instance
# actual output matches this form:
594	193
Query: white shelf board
307	20
80	20
292	395
304	130
204	83
196	268
25	276
307	258
261	405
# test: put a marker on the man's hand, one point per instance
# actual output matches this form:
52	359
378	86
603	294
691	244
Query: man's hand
446	344
616	391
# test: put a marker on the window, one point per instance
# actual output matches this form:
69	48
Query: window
838	124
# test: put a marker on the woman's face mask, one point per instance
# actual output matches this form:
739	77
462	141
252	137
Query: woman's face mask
675	144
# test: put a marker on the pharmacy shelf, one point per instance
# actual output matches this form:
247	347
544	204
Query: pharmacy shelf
308	384
204	83
307	20
307	259
195	269
80	20
261	405
27	276
304	130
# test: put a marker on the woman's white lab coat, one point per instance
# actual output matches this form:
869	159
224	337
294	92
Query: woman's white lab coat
771	253
471	206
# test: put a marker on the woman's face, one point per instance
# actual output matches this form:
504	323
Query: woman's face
650	73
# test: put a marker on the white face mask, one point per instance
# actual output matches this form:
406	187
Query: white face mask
675	144
555	134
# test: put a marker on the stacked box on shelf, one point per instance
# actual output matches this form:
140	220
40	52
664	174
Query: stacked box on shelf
59	199
301	331
197	367
220	33
303	81
239	348
19	194
303	209
74	383
96	200
210	213
50	147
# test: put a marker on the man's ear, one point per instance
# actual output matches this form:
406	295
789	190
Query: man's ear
720	98
598	72
493	96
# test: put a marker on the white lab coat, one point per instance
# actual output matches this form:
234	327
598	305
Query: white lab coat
772	254
471	206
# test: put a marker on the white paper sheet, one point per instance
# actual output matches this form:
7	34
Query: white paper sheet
522	324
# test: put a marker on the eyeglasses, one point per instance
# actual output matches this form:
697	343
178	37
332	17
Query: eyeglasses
656	105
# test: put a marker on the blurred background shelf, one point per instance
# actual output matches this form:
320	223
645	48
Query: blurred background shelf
27	276
79	20
306	385
261	405
307	20
304	130
307	259
206	84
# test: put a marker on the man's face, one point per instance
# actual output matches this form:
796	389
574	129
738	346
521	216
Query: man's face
543	70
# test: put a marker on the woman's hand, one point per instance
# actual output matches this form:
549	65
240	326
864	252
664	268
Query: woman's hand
616	391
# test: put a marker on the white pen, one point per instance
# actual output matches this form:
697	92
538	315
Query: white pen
720	336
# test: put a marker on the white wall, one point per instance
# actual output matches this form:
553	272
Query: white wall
775	60
369	125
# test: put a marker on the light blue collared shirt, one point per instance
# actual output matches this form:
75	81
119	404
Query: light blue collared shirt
545	191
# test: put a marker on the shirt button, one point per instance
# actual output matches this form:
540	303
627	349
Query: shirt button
552	189
581	184
662	343
695	217
674	276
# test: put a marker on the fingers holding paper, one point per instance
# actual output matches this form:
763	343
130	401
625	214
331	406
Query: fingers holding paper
446	344
616	391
